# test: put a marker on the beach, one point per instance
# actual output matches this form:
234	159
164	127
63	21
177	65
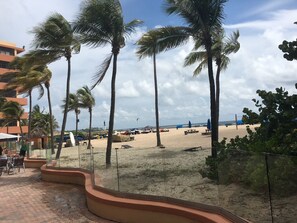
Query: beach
138	166
176	138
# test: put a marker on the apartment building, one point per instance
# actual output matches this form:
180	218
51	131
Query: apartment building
8	51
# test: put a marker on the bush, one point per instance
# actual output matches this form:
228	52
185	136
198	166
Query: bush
272	145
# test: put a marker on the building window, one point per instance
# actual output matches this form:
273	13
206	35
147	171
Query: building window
6	51
8	94
4	64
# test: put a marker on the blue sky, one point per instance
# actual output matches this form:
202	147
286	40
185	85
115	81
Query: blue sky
263	25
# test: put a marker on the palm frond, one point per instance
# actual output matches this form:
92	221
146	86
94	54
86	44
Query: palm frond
130	27
224	62
193	57
86	99
232	45
101	73
96	21
200	67
161	39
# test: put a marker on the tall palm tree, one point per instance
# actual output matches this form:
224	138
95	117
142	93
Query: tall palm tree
46	79
41	75
100	23
74	106
148	46
222	47
13	112
203	18
53	40
86	100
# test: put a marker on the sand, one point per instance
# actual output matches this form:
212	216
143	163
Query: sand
177	138
173	172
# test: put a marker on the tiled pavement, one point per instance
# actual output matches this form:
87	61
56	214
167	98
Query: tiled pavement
24	197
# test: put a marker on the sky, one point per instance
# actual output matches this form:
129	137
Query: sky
259	64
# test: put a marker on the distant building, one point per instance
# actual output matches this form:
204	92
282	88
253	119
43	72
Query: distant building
8	51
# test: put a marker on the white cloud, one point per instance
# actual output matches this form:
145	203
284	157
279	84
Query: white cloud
127	90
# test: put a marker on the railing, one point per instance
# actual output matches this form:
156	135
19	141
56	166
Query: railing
257	187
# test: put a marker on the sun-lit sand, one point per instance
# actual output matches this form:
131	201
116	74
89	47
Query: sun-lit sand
176	138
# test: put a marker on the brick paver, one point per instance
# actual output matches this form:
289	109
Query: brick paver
24	197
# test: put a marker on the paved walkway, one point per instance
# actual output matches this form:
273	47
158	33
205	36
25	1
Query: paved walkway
26	198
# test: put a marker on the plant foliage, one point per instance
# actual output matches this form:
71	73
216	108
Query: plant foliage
269	151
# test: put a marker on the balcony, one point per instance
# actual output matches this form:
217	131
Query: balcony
21	101
13	129
7	58
24	116
2	86
3	70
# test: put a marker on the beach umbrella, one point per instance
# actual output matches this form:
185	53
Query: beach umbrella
208	124
190	124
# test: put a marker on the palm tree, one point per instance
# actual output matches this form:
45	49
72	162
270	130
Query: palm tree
43	76
203	18
53	40
3	100
148	46
42	123
74	106
25	78
47	75
13	112
222	47
86	100
101	22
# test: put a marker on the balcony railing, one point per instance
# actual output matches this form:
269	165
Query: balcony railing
13	129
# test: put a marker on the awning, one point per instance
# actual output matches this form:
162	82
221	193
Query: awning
7	136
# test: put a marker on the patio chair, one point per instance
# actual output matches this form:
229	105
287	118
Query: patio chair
18	162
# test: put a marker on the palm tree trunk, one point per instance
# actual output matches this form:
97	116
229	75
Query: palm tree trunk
90	128
112	110
76	127
214	126
218	92
29	123
47	85
30	115
65	109
156	102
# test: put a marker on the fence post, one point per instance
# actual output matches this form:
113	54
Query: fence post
269	187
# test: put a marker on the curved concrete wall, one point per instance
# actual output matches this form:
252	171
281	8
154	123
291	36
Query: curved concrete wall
129	208
34	163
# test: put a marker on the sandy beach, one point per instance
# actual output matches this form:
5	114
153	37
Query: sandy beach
173	172
176	138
